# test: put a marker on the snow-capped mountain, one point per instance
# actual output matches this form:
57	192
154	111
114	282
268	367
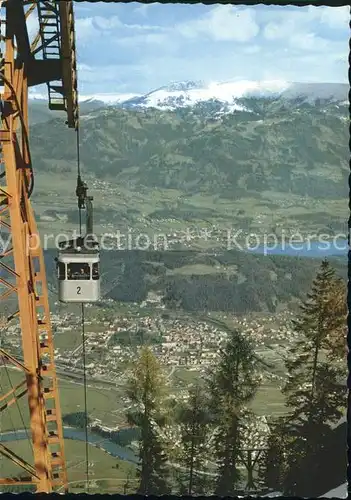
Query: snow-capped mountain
185	94
102	99
108	99
228	96
231	94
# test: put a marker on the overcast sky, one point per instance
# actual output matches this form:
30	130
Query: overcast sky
137	48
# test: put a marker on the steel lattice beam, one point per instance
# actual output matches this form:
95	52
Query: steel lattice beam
22	265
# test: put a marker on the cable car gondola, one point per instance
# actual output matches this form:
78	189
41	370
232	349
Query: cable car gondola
78	261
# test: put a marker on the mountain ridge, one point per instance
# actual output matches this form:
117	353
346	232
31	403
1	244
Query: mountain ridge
230	94
268	156
274	162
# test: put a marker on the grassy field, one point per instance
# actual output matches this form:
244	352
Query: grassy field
103	404
71	339
67	340
269	401
194	269
141	210
106	473
185	376
106	404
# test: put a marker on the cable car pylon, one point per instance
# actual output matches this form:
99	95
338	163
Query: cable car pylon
25	263
22	270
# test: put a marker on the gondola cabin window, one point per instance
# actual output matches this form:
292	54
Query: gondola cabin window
78	271
61	271
96	273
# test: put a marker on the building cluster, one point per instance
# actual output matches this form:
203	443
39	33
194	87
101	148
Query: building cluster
112	343
184	346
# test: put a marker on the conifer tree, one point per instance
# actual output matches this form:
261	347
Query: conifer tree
194	420
315	390
273	461
336	340
232	386
308	371
146	390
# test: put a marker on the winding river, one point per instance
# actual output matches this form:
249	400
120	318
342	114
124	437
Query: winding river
94	439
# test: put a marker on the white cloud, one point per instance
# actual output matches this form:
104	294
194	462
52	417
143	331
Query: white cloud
263	42
85	29
94	27
275	31
252	49
334	17
146	27
309	41
119	34
282	24
143	10
148	38
222	23
309	30
107	23
112	77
